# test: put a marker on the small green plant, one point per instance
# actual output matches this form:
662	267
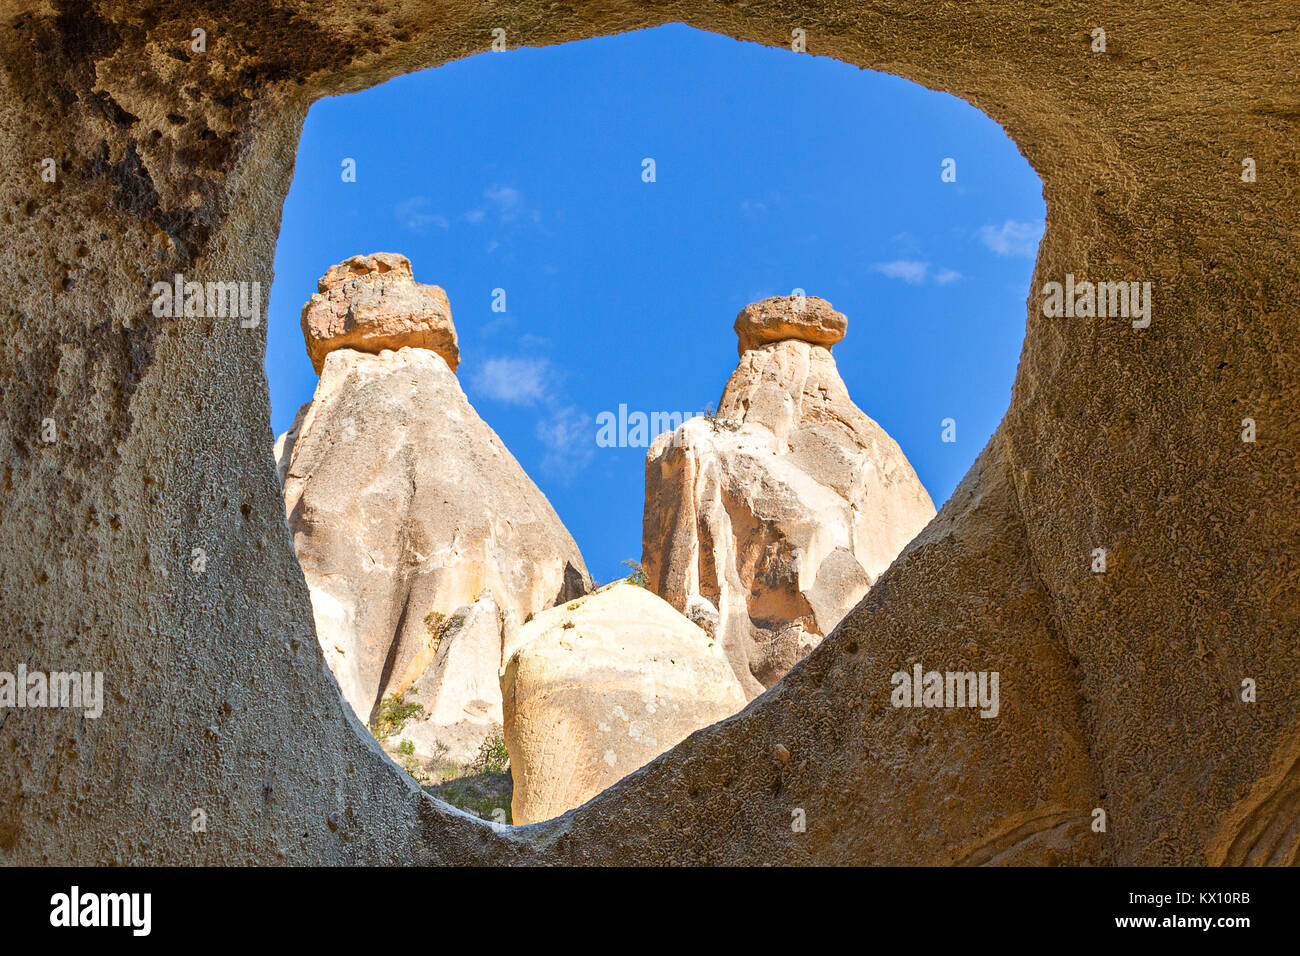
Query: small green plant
488	798
412	766
394	712
710	415
493	756
637	576
567	625
440	767
405	757
436	625
482	787
529	617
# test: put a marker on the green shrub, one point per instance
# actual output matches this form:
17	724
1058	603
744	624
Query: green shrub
436	625
486	796
493	756
412	767
394	712
637	576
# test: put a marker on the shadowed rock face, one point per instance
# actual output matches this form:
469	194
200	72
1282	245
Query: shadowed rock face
767	524
406	507
1119	690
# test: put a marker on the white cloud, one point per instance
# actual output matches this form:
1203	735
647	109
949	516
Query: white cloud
909	270
1012	238
516	381
915	272
570	441
907	244
505	208
503	205
417	213
503	197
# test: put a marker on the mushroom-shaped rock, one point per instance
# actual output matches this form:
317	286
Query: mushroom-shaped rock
806	318
770	522
372	303
407	514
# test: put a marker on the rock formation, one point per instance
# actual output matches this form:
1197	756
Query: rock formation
769	522
372	303
600	686
459	692
405	507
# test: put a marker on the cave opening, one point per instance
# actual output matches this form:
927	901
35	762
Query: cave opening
605	221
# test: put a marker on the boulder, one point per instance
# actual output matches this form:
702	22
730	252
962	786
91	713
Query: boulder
371	303
769	522
598	687
806	318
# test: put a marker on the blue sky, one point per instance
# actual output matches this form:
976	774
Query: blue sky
522	170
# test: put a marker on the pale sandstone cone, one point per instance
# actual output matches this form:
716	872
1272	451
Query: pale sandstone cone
770	522
404	505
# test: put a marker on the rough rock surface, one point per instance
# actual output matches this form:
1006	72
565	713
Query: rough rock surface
460	690
772	520
598	687
372	303
405	507
1120	690
806	318
283	450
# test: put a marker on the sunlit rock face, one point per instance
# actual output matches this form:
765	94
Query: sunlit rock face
372	303
600	686
769	522
405	508
459	692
